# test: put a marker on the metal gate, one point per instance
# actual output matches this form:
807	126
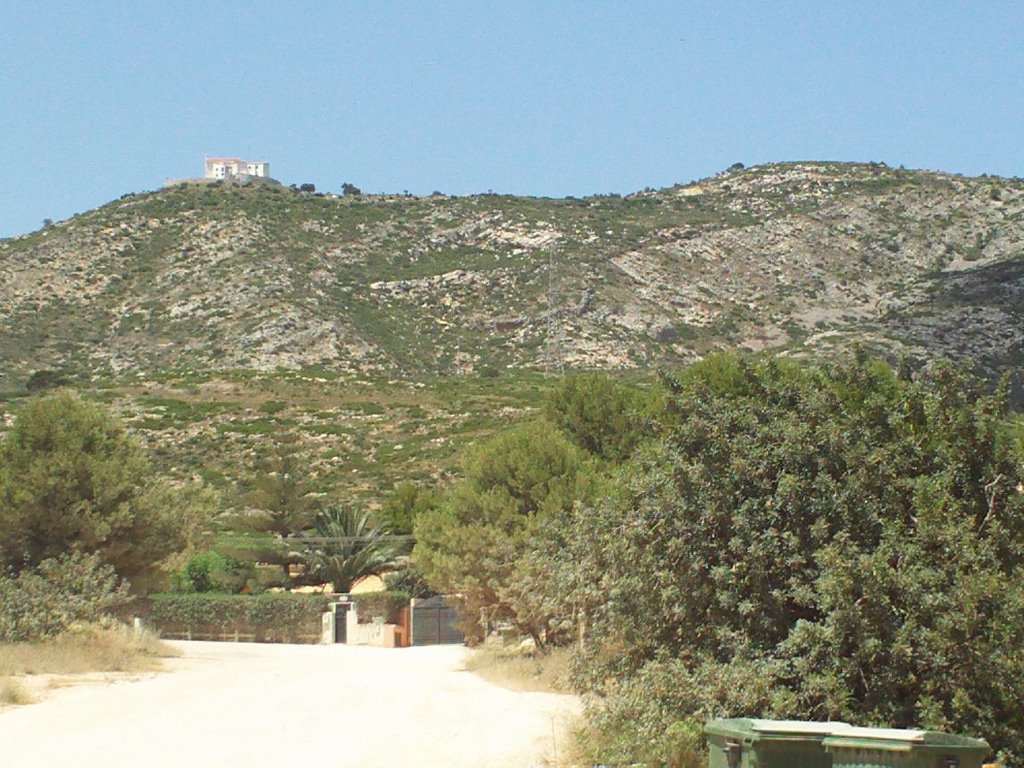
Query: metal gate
434	622
340	624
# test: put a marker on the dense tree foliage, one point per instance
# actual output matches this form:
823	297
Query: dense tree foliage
599	415
278	499
405	504
816	542
213	571
472	544
73	479
760	538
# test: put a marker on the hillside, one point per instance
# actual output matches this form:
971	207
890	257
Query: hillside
386	330
199	278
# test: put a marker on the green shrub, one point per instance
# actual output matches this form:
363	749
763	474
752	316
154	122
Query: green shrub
73	478
62	591
409	580
270	617
212	572
384	604
830	542
46	379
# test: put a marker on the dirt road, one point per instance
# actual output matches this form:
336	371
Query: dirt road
224	705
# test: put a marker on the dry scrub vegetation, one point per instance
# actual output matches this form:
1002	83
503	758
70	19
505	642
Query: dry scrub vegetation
13	692
81	652
544	672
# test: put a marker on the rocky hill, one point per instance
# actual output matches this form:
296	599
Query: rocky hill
798	255
375	336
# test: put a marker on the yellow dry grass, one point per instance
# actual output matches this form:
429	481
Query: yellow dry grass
110	649
13	692
547	672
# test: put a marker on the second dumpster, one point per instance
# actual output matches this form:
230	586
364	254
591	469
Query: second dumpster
899	748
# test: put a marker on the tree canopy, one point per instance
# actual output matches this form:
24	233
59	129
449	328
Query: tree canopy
472	544
597	414
73	479
405	504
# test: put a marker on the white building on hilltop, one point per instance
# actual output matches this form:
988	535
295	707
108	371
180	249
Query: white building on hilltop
235	168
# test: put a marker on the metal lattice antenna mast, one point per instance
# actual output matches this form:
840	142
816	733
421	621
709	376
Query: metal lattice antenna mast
553	363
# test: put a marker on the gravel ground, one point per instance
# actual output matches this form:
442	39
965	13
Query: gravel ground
225	704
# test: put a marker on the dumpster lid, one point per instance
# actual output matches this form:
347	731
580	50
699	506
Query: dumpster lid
754	728
900	740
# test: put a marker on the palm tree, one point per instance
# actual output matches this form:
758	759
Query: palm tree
346	546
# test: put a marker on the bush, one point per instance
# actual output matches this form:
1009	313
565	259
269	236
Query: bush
408	579
63	591
387	605
212	572
475	543
46	379
73	478
824	542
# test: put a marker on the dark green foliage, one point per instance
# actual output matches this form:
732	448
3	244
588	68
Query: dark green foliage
46	379
472	544
279	500
344	547
407	502
274	616
252	548
278	503
387	605
597	414
847	541
409	579
72	478
59	593
212	571
350	189
272	407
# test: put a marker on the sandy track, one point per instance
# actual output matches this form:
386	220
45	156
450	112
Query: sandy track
227	704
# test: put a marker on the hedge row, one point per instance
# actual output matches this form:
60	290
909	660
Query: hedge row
385	604
270	617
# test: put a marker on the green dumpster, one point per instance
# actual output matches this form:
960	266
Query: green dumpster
887	747
749	743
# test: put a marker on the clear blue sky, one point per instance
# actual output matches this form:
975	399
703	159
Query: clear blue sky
541	98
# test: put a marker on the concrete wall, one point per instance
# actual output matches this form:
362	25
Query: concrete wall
378	633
